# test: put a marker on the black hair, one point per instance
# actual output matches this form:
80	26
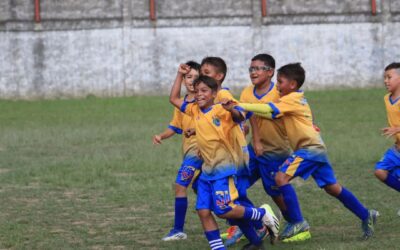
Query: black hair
393	65
218	63
209	81
193	65
267	59
293	71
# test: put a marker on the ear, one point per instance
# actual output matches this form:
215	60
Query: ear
214	94
270	73
219	77
293	85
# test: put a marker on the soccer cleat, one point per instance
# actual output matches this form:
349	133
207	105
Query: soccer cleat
234	236
298	237
262	233
175	235
368	224
249	246
271	222
292	230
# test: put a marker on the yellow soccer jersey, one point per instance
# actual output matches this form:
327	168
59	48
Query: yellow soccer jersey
238	139
272	133
181	122
213	134
393	114
297	118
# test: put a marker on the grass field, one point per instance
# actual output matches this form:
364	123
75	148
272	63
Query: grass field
83	174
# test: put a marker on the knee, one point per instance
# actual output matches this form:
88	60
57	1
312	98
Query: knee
281	179
334	189
204	214
381	174
180	191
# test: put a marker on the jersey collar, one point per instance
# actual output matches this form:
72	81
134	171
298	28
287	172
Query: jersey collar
259	97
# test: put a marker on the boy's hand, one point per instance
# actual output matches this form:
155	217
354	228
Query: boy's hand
390	131
157	140
190	132
183	69
258	147
227	104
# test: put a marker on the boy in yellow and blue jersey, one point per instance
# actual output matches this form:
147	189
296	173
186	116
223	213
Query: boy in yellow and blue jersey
269	146
216	185
388	168
191	164
309	157
215	67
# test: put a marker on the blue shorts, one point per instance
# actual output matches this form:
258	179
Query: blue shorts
265	167
390	162
189	170
322	172
218	196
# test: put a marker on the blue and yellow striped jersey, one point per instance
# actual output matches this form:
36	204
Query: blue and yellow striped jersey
181	122
393	114
214	128
272	133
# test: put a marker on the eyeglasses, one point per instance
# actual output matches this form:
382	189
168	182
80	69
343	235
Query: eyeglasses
262	68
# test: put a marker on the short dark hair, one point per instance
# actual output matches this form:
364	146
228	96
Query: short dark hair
193	65
218	63
209	81
293	71
267	59
393	65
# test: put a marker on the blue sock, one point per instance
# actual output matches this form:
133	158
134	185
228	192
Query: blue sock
214	239
249	231
257	224
292	204
393	182
181	204
351	202
286	215
252	213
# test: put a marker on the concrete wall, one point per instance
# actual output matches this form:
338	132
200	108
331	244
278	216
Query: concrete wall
111	48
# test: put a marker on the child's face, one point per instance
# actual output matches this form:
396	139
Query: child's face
204	95
189	78
211	71
392	80
285	85
260	73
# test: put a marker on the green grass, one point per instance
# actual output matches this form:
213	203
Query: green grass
83	174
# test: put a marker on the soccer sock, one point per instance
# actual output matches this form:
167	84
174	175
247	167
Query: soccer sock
248	231
353	204
393	182
252	213
286	215
181	204
292	204
214	239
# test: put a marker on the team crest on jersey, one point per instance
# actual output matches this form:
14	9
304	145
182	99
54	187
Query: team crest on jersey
222	199
187	173
216	121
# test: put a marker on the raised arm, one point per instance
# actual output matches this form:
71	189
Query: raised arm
175	95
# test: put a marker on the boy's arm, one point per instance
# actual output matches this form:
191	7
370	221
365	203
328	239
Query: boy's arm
236	111
175	95
258	148
390	131
164	135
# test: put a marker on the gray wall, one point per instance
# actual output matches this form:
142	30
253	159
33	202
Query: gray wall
111	48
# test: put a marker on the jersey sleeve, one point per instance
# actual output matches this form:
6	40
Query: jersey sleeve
244	99
176	122
284	106
188	108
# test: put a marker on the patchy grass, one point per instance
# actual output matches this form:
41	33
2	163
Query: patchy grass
83	174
